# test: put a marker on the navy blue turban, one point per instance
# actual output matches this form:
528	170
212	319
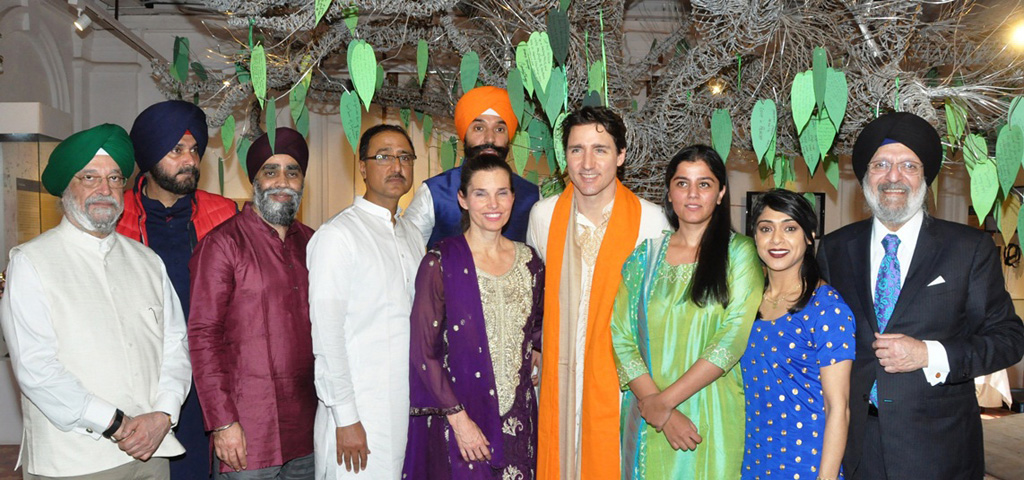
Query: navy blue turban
159	128
911	130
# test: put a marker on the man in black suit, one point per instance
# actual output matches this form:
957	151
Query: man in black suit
932	314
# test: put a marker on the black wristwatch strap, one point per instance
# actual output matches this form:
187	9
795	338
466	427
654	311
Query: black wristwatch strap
118	418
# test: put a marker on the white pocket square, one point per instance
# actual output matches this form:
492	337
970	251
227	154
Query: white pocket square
938	281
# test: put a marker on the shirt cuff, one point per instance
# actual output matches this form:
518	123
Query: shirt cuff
168	404
938	363
344	415
96	418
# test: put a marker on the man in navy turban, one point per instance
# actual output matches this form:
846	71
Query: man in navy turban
166	211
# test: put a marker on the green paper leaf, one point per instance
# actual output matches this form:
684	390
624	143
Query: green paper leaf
351	21
447	156
592	99
540	140
195	99
520	150
556	135
258	70
516	94
1015	115
564	5
809	146
200	71
956	121
271	121
820	76
763	127
297	100
984	187
319	9
419	116
595	77
541	61
302	123
220	174
826	134
811	199
802	99
469	71
779	171
428	127
1009	150
763	171
836	93
380	78
832	170
405	114
242	152
532	177
523	65
556	95
558	34
227	133
721	133
975	150
422	56
1009	215
770	154
351	118
179	64
362	68
242	73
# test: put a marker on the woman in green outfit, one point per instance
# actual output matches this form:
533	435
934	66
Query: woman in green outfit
682	317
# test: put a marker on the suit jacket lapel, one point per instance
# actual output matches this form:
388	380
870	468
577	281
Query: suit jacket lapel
921	268
859	250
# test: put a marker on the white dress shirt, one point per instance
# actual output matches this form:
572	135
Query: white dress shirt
420	212
362	273
938	361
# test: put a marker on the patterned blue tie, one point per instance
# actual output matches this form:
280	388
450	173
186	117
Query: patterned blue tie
887	291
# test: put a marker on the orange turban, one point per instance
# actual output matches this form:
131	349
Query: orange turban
479	100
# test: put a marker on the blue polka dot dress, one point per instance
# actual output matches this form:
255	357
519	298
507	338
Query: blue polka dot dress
785	408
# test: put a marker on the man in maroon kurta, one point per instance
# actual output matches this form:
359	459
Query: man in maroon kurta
249	331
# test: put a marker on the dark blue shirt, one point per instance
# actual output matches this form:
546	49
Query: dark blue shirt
168	229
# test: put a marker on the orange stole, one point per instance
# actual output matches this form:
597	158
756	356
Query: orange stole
599	454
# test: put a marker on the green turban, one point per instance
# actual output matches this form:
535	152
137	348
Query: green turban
74	153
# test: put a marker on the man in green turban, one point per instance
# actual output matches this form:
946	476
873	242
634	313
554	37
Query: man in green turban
96	333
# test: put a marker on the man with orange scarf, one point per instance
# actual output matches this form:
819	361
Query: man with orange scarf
585	235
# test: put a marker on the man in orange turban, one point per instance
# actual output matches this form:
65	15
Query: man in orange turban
486	123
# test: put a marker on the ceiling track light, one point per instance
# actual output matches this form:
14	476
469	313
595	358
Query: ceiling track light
83	21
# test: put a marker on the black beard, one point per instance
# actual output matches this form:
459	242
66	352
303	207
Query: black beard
171	184
473	152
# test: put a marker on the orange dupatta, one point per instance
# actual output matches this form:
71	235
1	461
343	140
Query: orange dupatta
599	438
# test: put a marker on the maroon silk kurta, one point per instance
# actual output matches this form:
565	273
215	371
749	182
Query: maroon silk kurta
249	336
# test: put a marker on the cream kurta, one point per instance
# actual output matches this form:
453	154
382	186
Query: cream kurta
362	270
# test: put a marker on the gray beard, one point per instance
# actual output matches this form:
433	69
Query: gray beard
274	212
894	216
104	226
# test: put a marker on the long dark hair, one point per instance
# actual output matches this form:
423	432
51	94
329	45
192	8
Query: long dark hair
709	282
481	163
800	210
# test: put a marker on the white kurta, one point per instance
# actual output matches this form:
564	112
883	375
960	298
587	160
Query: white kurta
362	271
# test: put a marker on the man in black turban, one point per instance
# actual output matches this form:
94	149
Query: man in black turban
165	210
932	314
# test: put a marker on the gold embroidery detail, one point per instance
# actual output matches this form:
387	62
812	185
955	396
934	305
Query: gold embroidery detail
507	303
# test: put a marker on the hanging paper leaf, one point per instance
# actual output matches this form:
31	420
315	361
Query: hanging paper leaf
405	113
975	150
770	154
271	120
1009	215
721	133
528	113
258	70
558	34
380	77
302	123
447	156
419	116
200	71
351	20
1015	115
556	136
516	96
242	152
984	187
532	177
836	93
832	170
521	150
809	146
1009	149
362	67
319	9
802	99
956	121
469	71
523	65
428	127
220	174
811	199
826	134
179	65
564	5
422	55
592	99
763	171
227	133
763	122
556	94
820	76
595	77
540	140
297	100
779	171
351	118
541	61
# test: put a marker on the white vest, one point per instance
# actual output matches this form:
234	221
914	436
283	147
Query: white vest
107	312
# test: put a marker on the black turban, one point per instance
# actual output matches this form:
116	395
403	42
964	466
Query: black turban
159	128
911	130
286	142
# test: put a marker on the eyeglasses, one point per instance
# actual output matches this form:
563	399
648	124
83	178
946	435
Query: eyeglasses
385	160
908	168
114	180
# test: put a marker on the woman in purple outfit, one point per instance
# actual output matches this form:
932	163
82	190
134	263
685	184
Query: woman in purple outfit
475	338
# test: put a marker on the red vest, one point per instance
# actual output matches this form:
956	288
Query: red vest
208	211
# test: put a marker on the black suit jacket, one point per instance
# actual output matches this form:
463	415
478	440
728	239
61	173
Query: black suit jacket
928	432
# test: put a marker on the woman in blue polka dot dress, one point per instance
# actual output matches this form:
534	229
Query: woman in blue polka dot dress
796	369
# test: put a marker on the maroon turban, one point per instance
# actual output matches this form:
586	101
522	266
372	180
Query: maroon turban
286	142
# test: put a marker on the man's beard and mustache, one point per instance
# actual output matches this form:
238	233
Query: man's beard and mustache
473	152
274	212
894	215
170	182
103	221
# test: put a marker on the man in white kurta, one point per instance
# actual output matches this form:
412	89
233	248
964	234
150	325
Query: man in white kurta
362	270
95	330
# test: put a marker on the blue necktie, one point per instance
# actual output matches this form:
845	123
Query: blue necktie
887	291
